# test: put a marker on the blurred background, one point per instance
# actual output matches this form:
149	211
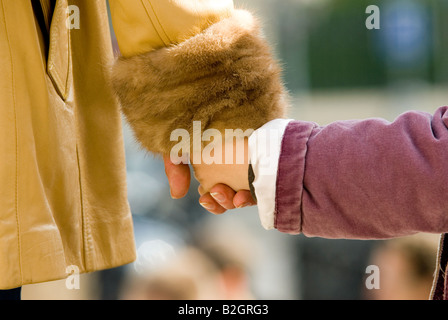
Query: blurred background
335	69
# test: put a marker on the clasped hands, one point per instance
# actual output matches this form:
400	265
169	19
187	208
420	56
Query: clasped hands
224	185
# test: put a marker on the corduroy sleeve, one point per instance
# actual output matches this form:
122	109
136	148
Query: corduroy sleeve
367	179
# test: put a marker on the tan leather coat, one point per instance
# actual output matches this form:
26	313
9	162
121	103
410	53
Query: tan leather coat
63	199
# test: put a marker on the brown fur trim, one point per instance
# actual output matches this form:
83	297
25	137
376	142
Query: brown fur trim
224	77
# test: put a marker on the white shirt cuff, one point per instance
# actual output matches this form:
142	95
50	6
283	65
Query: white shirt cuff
264	149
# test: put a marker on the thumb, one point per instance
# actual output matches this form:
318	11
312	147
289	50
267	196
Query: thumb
178	178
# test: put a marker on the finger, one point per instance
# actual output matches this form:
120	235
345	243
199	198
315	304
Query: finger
211	205
223	195
243	199
178	178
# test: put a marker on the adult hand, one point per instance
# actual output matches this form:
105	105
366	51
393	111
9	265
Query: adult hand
178	178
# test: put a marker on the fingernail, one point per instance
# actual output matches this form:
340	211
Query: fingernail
246	204
217	196
207	206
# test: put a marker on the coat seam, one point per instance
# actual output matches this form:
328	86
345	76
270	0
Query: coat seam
52	71
291	227
303	177
84	220
158	20
277	180
164	39
16	200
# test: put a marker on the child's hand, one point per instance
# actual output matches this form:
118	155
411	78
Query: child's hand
222	198
224	185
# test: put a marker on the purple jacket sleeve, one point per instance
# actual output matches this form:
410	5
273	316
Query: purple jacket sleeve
366	179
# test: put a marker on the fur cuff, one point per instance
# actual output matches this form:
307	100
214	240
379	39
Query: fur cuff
225	77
